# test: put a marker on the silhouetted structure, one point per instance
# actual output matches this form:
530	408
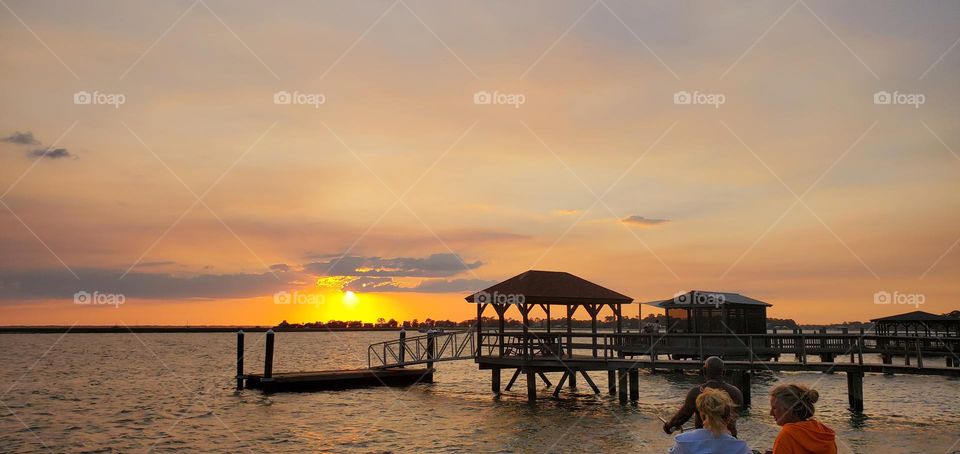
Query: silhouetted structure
703	312
918	323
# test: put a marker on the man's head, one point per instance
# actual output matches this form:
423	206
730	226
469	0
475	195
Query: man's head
713	367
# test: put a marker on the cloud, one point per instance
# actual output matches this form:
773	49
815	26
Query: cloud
51	153
566	212
386	284
436	265
21	138
644	222
59	283
283	267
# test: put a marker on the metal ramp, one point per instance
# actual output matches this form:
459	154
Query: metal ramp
426	349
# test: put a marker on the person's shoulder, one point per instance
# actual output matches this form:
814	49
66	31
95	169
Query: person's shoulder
693	435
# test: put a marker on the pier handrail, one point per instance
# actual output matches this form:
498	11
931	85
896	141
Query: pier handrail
428	348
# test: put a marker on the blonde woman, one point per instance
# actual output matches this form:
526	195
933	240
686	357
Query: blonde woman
792	406
717	409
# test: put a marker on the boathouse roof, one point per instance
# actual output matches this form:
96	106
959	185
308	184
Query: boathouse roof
551	287
915	316
706	298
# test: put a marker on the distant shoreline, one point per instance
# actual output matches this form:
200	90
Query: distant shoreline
167	329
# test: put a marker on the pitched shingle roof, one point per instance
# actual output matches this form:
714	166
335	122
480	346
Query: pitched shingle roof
915	316
552	287
705	298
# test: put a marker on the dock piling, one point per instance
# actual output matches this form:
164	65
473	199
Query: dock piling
634	384
240	360
495	379
612	382
403	346
531	386
855	389
268	357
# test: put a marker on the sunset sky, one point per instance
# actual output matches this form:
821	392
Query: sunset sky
204	194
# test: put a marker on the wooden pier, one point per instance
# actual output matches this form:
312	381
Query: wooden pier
270	382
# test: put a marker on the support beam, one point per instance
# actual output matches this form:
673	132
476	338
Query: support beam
516	374
556	392
240	360
573	379
590	382
544	378
531	386
612	382
495	380
634	385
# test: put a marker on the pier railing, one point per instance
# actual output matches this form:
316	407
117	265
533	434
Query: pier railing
426	349
747	347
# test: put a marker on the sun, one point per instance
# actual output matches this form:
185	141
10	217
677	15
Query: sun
349	298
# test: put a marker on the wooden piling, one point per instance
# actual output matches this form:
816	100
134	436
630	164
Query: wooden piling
240	359
495	380
634	384
430	349
612	381
531	386
742	379
573	380
855	389
403	346
268	357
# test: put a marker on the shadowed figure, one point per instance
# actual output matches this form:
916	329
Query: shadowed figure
713	374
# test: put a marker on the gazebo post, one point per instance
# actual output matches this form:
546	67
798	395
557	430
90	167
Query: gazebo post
546	308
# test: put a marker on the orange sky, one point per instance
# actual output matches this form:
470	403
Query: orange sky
406	187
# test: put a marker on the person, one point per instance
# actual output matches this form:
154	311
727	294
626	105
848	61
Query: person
717	410
713	373
792	406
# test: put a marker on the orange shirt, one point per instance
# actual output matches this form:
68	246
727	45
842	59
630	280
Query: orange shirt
805	437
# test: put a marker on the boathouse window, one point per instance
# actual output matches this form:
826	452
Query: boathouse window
678	320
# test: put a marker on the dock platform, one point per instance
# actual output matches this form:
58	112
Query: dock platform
338	379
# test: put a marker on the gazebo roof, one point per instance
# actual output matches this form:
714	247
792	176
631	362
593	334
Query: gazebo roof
705	298
550	287
916	316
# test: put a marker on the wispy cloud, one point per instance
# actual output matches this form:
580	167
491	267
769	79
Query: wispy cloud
50	153
21	138
644	221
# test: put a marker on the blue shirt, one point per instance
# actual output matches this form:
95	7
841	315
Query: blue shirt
703	441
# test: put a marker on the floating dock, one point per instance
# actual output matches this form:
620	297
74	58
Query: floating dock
338	379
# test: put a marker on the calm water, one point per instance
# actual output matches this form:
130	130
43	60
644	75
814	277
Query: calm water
164	392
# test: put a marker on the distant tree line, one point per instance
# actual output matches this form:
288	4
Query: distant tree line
536	322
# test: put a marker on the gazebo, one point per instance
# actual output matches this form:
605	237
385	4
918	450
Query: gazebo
918	323
702	312
545	289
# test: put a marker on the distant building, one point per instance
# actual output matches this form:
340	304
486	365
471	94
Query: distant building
918	323
702	312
